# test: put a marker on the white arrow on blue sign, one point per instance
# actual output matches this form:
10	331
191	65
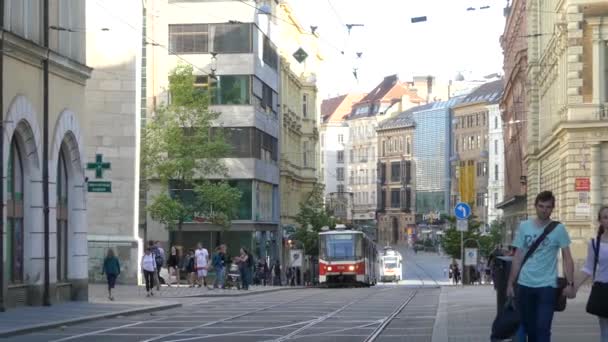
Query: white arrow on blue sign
462	211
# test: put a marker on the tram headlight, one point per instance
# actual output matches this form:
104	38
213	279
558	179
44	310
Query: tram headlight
351	268
329	268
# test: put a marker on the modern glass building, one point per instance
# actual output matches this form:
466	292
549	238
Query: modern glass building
432	146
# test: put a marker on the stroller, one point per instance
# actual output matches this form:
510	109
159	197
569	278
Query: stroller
233	277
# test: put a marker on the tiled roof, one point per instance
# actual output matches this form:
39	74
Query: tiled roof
337	108
406	119
329	106
490	92
381	89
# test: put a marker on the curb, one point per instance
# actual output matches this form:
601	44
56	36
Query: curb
240	294
50	325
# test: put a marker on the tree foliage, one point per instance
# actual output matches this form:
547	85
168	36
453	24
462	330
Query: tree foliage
179	148
487	240
311	218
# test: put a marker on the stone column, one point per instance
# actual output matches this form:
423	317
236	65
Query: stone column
599	61
596	181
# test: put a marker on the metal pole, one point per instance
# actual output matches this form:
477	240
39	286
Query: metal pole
2	157
45	157
462	257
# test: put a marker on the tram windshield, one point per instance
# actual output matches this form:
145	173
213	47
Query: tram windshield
390	262
340	246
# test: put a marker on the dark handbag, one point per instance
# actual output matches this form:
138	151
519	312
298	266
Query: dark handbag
506	323
596	304
560	299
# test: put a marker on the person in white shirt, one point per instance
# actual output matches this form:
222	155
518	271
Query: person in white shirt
601	272
201	259
148	267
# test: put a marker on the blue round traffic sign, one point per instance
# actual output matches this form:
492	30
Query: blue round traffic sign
462	211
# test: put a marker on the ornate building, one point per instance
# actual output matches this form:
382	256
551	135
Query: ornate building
567	116
513	110
298	113
44	225
396	172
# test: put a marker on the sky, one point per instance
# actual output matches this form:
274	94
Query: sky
452	40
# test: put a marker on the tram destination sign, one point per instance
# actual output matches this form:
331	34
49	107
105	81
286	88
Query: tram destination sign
99	186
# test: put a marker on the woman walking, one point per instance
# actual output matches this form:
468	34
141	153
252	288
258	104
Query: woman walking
111	268
244	261
189	267
173	264
148	267
596	267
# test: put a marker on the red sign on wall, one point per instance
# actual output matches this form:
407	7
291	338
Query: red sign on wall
582	184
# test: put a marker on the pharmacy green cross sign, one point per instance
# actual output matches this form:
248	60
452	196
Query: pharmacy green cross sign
99	166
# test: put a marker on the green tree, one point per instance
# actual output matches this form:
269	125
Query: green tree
487	241
179	147
311	218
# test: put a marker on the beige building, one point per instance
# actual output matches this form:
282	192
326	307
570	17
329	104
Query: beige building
43	81
396	174
114	37
567	115
389	97
471	142
298	113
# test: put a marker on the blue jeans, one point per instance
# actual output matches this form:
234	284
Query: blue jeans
536	308
219	277
245	277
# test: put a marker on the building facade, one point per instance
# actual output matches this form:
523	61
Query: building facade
334	158
299	134
395	179
496	163
567	117
242	56
44	128
388	98
112	100
471	144
514	117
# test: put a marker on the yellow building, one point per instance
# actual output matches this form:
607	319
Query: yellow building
567	116
298	112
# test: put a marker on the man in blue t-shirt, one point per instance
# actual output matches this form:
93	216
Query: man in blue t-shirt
537	281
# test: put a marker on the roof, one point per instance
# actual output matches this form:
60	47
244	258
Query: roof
337	108
490	92
390	91
382	89
406	119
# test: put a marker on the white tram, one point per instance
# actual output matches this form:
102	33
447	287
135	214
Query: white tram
347	257
391	266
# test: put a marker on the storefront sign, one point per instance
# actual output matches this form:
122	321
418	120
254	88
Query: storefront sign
95	186
582	184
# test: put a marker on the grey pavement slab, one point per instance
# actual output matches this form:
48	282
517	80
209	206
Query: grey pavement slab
467	313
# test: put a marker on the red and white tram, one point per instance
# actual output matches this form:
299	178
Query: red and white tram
347	257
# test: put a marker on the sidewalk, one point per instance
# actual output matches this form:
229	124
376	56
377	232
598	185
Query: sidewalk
467	313
129	300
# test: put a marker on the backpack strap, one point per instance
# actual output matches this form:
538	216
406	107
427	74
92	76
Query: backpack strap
550	227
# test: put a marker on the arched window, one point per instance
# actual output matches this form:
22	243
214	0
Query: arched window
14	210
62	217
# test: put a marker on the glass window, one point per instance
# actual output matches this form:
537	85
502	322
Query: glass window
395	198
269	55
304	105
340	138
496	146
340	173
340	157
188	39
62	217
495	172
305	153
232	38
395	171
232	90
15	229
340	246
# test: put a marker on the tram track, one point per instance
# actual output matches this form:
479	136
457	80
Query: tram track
378	331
